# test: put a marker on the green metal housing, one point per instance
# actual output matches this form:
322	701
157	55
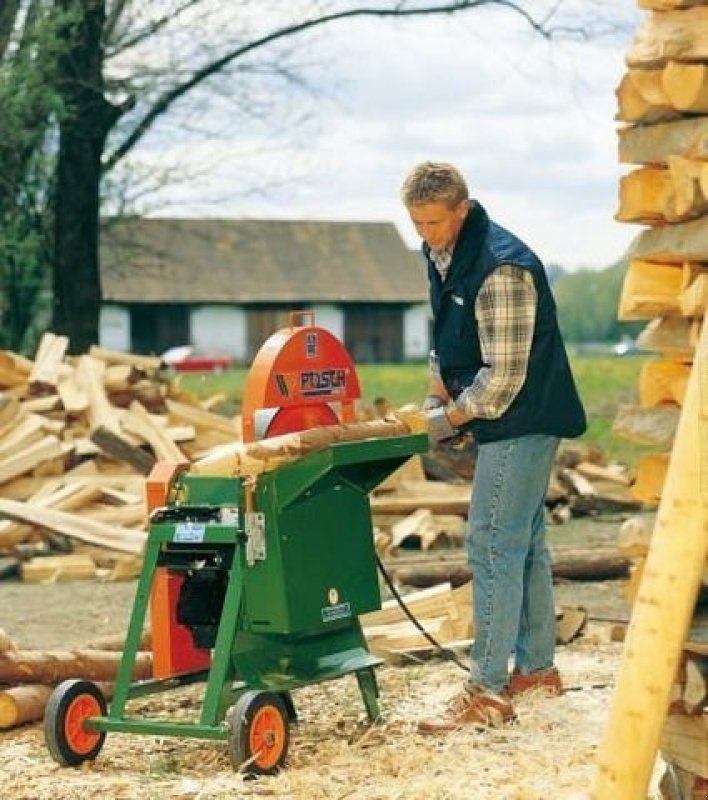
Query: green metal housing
298	566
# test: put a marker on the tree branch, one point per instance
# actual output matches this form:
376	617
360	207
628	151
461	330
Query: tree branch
164	102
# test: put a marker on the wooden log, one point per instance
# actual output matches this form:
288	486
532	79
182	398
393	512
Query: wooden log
686	86
101	414
255	457
693	299
694	691
193	415
650	477
634	537
58	569
68	497
14	369
673	244
667	5
633	106
602	563
139	422
20	704
119	448
614	473
71	393
111	536
670	336
657	381
115	642
642	194
683	742
653	144
648	82
145	363
663	608
47	363
30	429
30	457
649	290
52	667
673	35
685	198
646	425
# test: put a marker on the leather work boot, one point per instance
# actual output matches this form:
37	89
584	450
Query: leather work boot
472	706
548	680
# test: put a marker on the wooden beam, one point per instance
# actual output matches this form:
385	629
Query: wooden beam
662	611
673	337
31	457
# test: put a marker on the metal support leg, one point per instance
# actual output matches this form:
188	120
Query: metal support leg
369	692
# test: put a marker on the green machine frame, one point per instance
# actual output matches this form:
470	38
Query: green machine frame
297	562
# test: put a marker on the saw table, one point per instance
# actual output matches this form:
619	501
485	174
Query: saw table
254	584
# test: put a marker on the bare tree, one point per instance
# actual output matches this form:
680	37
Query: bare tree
125	66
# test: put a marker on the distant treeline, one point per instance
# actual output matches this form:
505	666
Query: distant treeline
587	303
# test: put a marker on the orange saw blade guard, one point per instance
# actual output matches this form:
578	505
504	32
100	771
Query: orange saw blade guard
298	374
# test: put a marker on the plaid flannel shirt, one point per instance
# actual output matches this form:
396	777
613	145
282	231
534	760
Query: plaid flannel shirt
505	310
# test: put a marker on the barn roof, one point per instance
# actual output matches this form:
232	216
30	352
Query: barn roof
257	261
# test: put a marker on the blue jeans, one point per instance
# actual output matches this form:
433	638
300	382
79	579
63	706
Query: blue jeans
514	612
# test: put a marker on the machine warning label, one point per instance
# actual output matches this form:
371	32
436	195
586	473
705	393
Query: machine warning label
340	611
189	532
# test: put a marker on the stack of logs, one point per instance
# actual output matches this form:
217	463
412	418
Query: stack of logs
77	437
663	99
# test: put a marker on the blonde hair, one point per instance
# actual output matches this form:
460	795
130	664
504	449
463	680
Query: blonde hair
434	182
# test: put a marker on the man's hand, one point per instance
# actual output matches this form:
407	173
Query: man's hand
439	425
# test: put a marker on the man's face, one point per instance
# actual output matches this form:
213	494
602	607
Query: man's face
438	224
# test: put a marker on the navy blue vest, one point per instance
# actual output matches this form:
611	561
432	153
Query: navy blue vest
548	401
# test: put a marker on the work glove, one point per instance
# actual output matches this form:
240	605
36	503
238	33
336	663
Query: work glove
432	401
439	427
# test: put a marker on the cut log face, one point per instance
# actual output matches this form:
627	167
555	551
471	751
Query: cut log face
686	86
673	35
649	290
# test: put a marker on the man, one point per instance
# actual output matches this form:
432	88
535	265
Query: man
498	369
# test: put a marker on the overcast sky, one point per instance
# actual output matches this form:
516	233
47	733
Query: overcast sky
530	123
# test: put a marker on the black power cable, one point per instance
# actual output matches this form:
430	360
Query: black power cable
446	653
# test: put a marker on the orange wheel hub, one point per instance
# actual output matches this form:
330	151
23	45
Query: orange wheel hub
78	737
266	738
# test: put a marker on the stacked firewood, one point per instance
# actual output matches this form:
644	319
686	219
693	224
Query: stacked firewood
78	435
663	101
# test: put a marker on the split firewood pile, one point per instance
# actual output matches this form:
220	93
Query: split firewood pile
663	105
78	435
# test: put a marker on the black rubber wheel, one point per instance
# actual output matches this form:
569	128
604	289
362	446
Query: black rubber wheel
259	733
70	704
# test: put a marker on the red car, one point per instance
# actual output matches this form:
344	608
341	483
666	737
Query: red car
183	359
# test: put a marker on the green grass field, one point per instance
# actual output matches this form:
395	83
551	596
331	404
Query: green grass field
603	382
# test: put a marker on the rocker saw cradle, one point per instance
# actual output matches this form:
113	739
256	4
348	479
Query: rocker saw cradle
254	584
